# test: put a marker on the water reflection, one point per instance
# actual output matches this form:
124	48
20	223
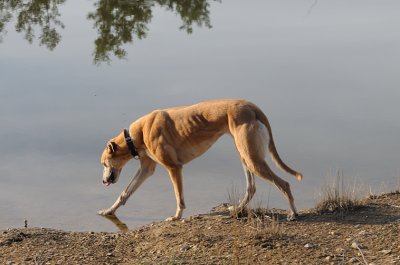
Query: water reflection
121	226
121	21
117	22
42	14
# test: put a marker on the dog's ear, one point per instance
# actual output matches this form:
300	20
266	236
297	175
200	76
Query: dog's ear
112	147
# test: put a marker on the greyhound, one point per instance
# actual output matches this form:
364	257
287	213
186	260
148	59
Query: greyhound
175	136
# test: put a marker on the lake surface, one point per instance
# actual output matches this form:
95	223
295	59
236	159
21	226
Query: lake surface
74	73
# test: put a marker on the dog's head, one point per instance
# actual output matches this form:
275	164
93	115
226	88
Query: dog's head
113	159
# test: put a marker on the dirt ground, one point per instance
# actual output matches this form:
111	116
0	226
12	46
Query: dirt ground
368	235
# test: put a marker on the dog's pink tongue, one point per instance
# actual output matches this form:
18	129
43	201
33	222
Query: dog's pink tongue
106	184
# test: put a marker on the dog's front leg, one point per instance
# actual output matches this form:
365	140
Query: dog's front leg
123	197
146	171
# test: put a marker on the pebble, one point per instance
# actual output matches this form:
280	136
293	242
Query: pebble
362	232
109	254
356	245
386	251
267	245
308	245
328	258
339	250
353	260
185	248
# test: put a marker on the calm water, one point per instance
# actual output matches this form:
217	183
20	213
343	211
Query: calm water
74	73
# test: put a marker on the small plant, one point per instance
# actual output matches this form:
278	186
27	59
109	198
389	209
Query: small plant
255	222
256	217
397	190
263	225
233	200
339	197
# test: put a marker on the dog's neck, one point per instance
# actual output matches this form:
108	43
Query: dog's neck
129	143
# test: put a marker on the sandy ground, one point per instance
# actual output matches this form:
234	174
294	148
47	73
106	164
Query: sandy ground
367	235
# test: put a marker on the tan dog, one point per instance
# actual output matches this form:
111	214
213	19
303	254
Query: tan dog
175	136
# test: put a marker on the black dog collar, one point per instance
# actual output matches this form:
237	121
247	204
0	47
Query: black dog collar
130	144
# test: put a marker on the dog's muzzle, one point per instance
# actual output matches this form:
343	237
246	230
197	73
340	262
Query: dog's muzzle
110	180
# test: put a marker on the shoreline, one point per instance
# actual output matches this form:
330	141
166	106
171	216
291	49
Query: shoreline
366	235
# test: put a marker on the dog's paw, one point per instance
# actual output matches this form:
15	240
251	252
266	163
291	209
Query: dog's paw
105	212
172	218
231	208
292	217
235	209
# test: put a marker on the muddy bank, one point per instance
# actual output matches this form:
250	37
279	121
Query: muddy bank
368	235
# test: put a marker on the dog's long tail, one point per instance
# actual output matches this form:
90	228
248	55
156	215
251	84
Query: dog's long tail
272	149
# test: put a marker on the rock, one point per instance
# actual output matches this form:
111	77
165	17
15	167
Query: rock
267	245
308	245
185	248
339	250
356	245
353	260
109	254
328	258
386	251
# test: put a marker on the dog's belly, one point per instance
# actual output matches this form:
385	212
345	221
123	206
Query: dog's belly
196	146
182	153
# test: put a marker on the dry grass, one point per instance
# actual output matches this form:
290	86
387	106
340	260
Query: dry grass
338	196
262	225
256	218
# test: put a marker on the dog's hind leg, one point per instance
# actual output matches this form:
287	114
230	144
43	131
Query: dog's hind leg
250	189
147	169
249	141
175	174
261	169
